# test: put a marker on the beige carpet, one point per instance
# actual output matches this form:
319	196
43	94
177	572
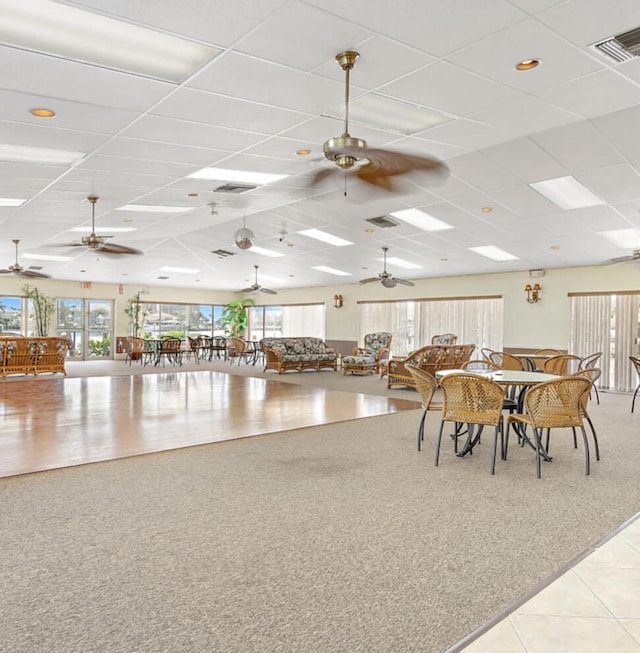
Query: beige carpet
334	538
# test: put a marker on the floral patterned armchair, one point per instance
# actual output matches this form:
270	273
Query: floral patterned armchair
371	357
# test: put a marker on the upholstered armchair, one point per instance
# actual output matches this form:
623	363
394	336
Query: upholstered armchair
444	339
371	356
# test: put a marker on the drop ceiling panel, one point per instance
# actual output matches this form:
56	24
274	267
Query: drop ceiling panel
40	74
155	151
619	183
260	81
143	166
561	61
49	137
594	95
620	128
448	88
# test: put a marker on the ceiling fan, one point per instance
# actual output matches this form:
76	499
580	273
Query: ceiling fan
257	287
98	243
634	257
19	271
347	151
386	278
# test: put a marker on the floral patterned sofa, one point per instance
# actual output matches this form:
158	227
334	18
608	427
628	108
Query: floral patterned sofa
297	353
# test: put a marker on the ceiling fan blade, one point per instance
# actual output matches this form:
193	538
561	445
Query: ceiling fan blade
369	280
404	282
622	259
31	274
6	271
387	163
388	282
251	289
321	175
112	248
268	291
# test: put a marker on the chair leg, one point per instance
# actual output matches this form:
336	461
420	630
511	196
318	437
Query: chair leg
536	437
421	430
597	395
595	437
586	451
495	447
633	401
439	441
575	439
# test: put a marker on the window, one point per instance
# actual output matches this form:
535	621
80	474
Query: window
11	314
293	320
475	320
181	320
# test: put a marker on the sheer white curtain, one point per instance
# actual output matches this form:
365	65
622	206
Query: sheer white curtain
303	320
387	316
591	330
476	321
626	329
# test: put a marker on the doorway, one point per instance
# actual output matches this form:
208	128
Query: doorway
88	324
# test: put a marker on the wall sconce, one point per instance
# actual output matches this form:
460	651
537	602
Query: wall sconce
338	301
533	293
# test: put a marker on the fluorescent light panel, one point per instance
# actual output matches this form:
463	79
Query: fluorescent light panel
241	176
154	208
71	33
103	228
623	238
9	201
325	237
24	154
387	113
421	220
328	270
401	263
494	253
566	193
45	257
168	268
265	252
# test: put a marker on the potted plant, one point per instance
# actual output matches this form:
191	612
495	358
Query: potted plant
234	318
135	311
43	309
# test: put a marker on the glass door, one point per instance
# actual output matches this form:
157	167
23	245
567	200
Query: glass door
88	325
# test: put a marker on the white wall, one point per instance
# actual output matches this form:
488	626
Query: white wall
545	324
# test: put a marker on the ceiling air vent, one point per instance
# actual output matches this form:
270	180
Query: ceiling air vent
222	253
383	222
234	188
34	267
619	48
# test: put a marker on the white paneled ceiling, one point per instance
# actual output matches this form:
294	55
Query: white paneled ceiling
269	89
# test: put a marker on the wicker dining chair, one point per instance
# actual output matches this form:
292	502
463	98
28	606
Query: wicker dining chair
562	365
506	361
473	400
549	405
592	374
589	362
426	385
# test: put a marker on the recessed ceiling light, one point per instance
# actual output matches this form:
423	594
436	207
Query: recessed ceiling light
527	64
328	270
154	208
43	113
24	154
554	247
325	237
623	238
303	152
567	193
10	201
243	176
486	209
192	194
421	220
265	252
168	268
494	253
79	35
444	259
368	231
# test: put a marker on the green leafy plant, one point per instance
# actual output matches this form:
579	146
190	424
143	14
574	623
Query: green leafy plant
43	309
135	310
100	347
234	318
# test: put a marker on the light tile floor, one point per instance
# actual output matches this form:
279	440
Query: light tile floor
593	607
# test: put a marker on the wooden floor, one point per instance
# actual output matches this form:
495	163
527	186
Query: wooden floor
58	422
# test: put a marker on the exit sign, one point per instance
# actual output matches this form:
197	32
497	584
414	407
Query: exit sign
86	284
